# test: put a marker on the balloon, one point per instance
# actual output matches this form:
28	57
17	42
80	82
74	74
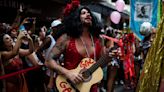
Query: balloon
145	29
120	4
115	17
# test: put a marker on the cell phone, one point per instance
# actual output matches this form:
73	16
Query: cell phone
22	28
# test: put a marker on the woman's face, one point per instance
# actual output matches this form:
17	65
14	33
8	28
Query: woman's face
85	17
7	40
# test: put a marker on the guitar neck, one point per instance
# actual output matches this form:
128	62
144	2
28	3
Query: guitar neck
101	62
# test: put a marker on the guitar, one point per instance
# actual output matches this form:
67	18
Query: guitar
91	71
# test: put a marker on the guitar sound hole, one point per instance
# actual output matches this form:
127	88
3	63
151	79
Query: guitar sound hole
86	75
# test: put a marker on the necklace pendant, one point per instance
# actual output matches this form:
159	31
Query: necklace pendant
86	49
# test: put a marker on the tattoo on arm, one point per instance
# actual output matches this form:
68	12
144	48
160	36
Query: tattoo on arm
54	56
59	47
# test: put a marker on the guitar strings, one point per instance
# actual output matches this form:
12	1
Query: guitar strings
99	63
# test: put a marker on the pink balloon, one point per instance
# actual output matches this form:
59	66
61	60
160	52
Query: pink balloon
115	17
120	4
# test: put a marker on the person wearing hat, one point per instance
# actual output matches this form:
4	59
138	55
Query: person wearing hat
147	31
47	46
56	25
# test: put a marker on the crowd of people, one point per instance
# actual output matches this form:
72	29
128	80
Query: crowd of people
70	43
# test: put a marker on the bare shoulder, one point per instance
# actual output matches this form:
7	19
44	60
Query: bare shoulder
5	55
60	46
63	37
62	42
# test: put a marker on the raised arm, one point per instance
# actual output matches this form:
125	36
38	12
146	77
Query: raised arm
10	54
25	52
46	43
17	20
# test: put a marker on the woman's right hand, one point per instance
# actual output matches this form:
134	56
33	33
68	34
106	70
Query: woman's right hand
22	34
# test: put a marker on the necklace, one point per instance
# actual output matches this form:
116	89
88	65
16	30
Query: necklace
85	46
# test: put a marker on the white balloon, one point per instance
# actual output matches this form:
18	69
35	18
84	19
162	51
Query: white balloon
145	28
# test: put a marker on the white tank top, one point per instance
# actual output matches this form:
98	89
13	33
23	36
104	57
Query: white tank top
48	50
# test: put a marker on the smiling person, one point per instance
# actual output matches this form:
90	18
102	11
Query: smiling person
81	40
12	62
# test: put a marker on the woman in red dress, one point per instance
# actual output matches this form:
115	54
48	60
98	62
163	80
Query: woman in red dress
11	61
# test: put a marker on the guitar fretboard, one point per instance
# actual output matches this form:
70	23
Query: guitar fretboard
101	62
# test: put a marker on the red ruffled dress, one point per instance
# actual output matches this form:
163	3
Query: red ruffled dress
71	51
16	83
